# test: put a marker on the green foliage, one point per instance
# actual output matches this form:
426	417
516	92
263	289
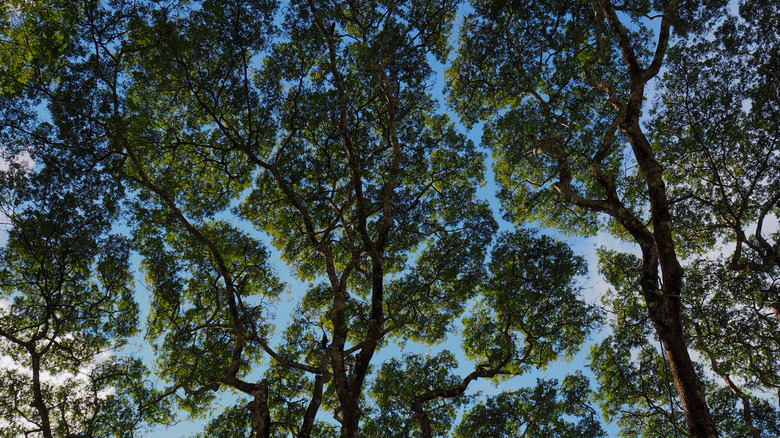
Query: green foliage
68	307
720	103
233	422
531	312
726	308
300	203
320	134
520	69
729	410
36	36
399	382
733	323
560	87
551	408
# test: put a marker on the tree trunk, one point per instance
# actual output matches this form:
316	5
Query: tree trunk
261	415
38	402
666	317
350	418
663	298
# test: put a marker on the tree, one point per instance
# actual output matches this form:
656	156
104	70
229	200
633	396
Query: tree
562	87
69	310
65	280
721	104
536	412
261	154
322	136
346	177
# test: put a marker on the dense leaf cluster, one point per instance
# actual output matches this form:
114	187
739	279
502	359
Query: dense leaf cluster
307	220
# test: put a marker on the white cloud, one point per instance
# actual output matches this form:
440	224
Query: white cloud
22	159
8	363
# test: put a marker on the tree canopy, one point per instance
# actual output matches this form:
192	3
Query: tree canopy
306	218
